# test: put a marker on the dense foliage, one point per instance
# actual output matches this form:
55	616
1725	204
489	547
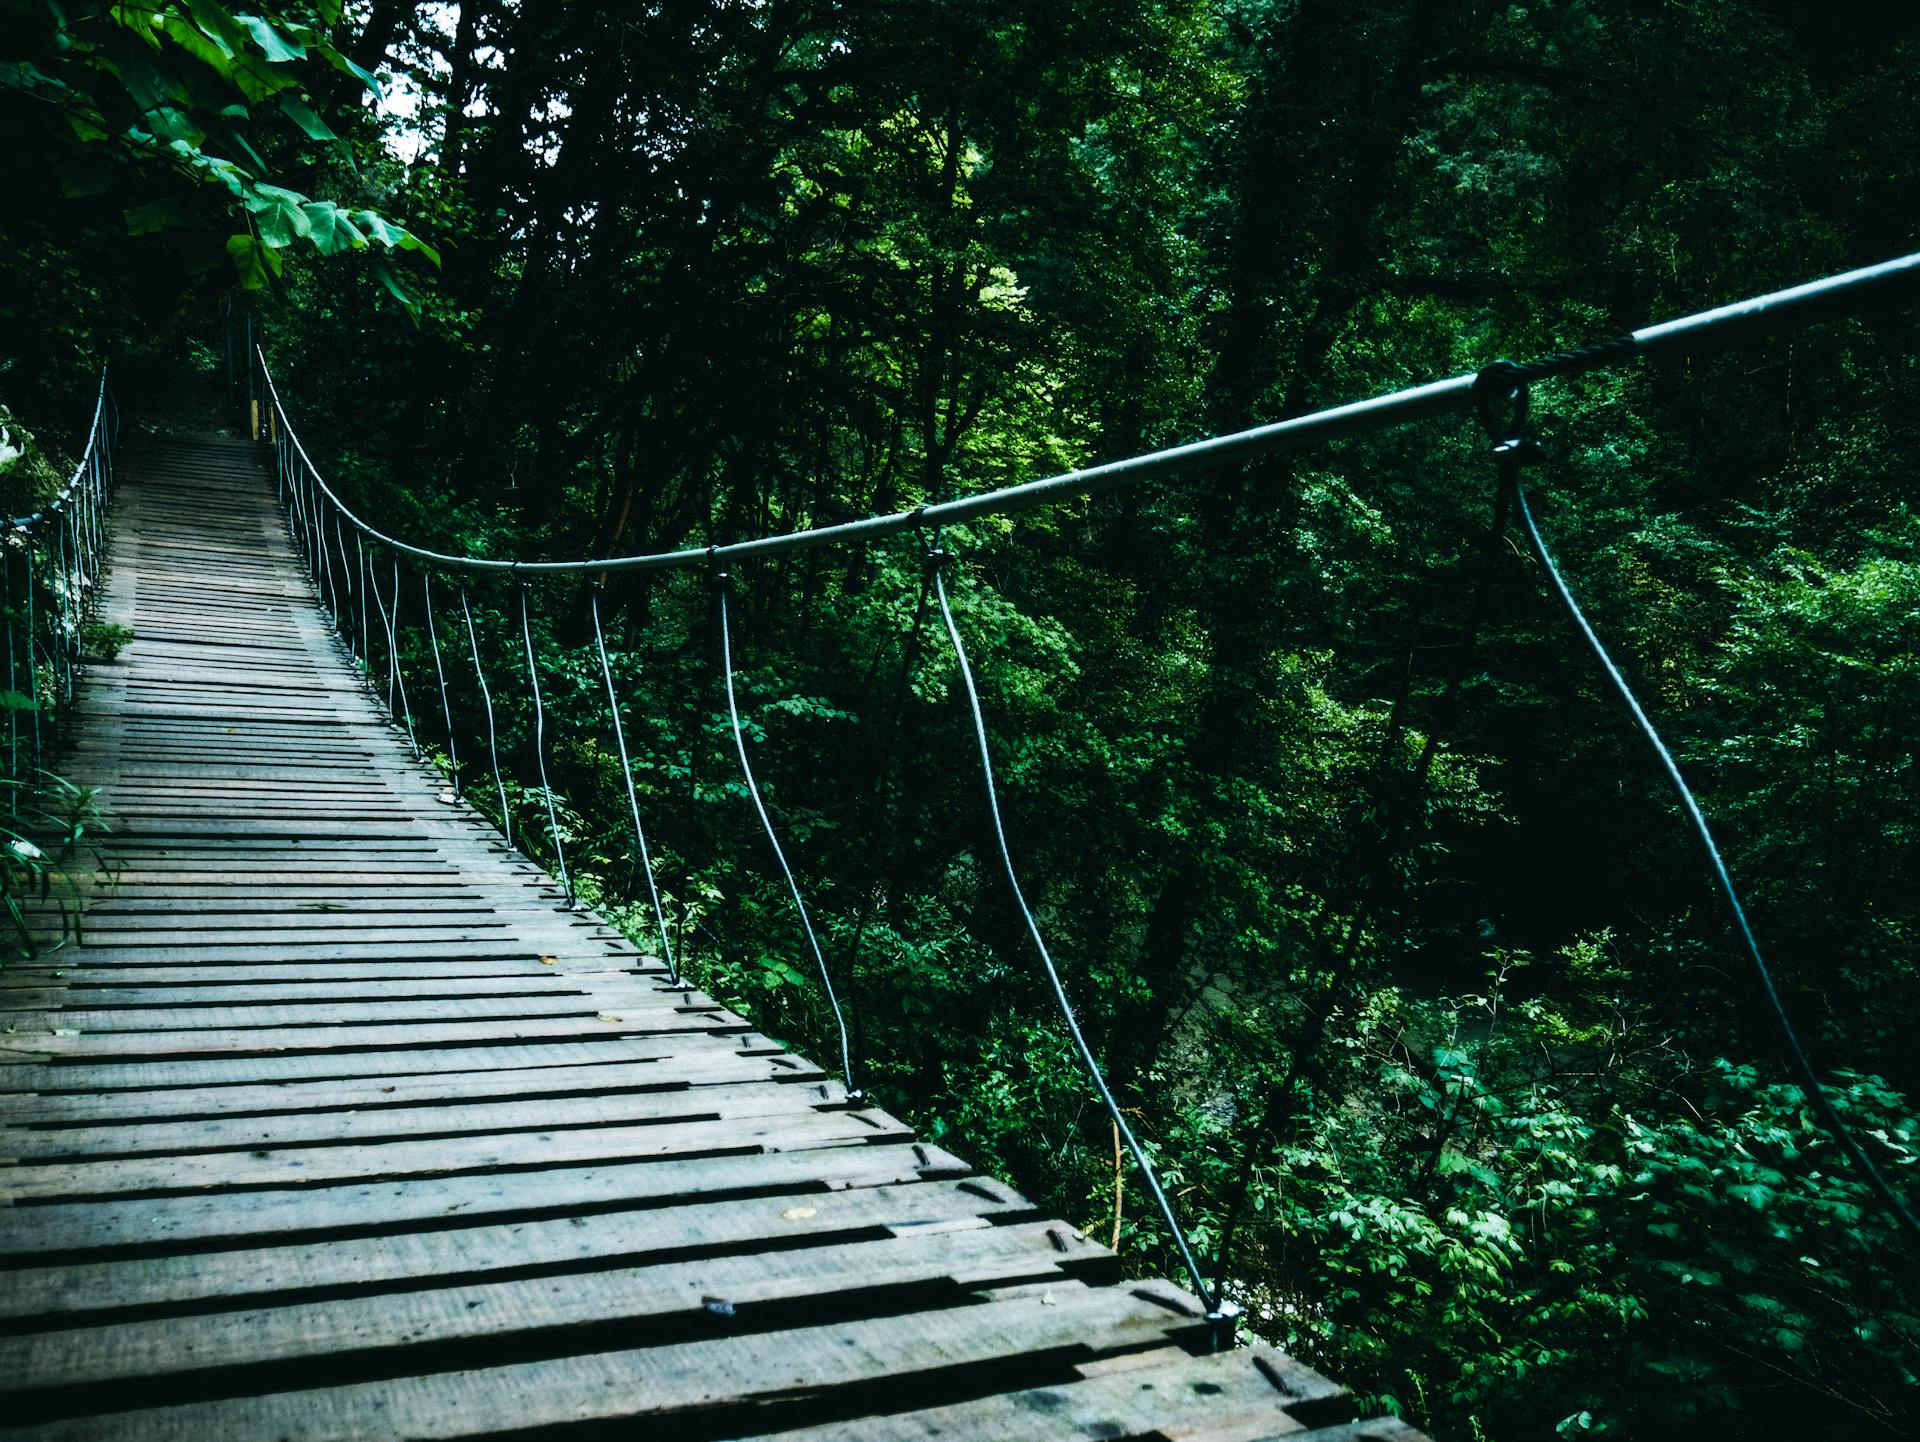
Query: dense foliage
1391	941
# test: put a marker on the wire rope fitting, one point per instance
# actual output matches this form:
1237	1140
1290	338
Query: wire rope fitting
1502	384
1225	1324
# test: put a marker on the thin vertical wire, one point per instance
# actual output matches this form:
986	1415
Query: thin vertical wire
633	801
722	583
344	623
400	710
102	469
486	701
540	747
310	510
80	590
326	566
65	628
33	666
1512	455
386	625
295	500
440	673
1046	959
85	497
13	710
366	636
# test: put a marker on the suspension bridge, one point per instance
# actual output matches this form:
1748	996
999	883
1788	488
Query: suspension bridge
340	1120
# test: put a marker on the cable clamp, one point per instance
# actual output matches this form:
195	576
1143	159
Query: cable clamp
1502	384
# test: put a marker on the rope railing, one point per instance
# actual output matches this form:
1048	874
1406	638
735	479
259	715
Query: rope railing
315	509
50	567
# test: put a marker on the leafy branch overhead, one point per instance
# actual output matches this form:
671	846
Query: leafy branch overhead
194	118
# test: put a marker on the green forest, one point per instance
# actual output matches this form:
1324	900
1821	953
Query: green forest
1380	917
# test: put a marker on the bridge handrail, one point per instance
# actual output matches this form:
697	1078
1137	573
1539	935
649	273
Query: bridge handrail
95	430
1794	306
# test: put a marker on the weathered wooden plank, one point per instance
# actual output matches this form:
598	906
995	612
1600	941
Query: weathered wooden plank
84	1073
110	1027
180	1284
99	1229
141	908
178	1045
383	988
428	1116
1221	1397
100	1368
807	1373
317	953
86	982
299	1098
443	1156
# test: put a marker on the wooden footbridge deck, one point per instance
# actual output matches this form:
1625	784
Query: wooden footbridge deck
338	1125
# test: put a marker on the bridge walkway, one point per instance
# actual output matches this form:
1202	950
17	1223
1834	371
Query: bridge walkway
338	1125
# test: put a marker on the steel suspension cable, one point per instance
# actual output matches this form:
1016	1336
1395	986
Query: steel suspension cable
366	632
315	538
1511	453
633	800
440	674
326	567
386	625
344	621
486	703
13	711
399	671
540	748
1796	305
33	665
722	584
64	625
1214	1308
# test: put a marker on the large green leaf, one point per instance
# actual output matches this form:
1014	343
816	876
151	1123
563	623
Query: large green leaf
218	25
304	116
197	43
392	236
341	63
275	46
255	264
280	214
330	228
